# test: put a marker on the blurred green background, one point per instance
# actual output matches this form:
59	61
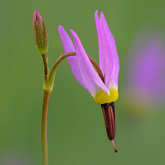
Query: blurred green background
76	131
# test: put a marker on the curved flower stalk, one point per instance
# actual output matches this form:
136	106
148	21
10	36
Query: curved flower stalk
104	91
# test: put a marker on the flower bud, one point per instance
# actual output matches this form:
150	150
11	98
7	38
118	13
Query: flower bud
40	34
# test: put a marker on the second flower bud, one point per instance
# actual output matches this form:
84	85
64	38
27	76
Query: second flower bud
40	34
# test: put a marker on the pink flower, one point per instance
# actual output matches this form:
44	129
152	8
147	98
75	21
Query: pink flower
104	92
82	68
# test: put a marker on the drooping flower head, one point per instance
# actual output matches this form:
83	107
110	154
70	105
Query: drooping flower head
104	92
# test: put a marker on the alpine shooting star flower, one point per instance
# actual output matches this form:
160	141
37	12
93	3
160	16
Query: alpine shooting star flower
104	92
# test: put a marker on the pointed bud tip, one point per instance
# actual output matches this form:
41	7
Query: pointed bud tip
115	149
36	13
36	16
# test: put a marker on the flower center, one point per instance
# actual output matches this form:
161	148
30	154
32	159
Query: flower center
101	97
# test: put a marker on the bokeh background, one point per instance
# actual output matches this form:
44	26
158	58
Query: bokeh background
76	131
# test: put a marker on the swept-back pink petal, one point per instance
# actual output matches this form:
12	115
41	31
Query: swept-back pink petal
89	76
69	47
111	76
107	55
102	57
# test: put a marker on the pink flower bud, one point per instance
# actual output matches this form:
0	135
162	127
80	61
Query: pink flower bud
40	34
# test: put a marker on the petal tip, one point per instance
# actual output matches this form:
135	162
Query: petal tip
73	33
96	15
102	14
60	28
96	12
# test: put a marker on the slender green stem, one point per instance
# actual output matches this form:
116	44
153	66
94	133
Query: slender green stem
48	87
44	127
53	71
45	65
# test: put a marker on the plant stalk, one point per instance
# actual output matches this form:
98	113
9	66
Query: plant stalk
44	127
48	87
45	65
